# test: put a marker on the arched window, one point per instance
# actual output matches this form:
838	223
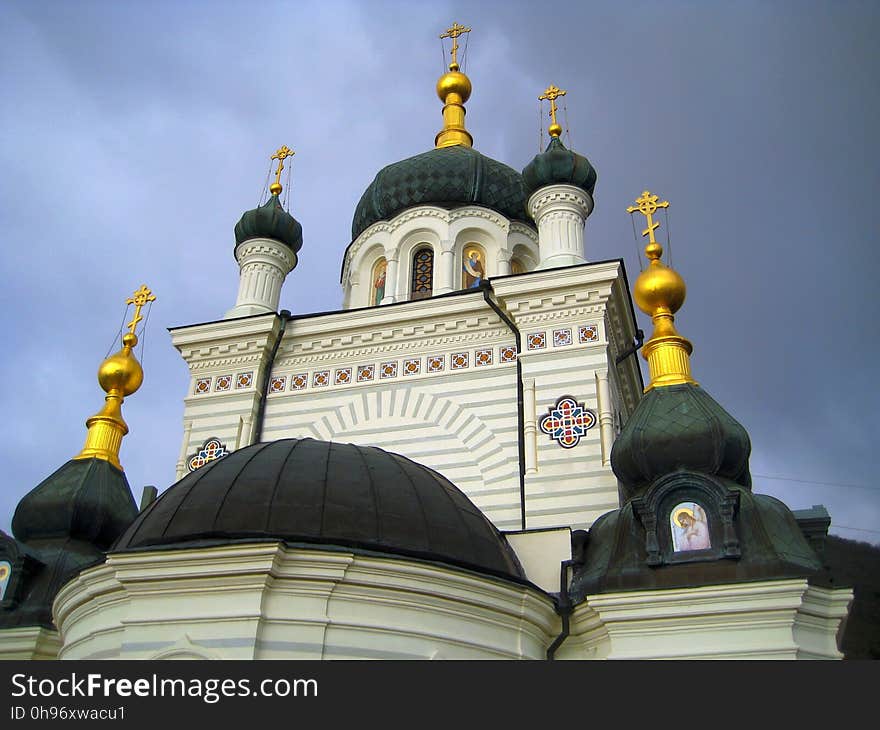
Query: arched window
377	282
517	266
422	273
473	266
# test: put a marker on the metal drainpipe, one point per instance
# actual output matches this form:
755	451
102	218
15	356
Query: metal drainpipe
486	286
563	608
267	376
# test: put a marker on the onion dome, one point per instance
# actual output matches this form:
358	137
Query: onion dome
558	166
679	427
270	220
315	492
86	499
448	177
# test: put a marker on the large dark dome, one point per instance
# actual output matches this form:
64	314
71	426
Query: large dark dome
307	491
445	176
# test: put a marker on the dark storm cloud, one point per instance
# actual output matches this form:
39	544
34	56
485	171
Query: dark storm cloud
134	137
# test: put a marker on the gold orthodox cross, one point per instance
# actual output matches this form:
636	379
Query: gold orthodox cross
647	206
552	93
454	32
281	155
139	299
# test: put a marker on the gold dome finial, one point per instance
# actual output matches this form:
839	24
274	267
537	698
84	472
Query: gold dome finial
281	155
659	292
454	89
120	375
551	94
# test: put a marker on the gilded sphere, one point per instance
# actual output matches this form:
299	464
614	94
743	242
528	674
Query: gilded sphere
659	287
555	130
454	82
275	188
121	372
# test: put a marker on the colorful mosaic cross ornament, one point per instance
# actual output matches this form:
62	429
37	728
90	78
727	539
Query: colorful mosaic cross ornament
211	451
567	421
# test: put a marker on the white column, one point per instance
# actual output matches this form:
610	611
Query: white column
444	269
560	212
606	415
392	285
504	257
184	449
353	293
530	426
263	265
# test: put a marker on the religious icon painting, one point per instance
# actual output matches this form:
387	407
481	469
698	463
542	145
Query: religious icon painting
472	268
5	573
689	526
377	282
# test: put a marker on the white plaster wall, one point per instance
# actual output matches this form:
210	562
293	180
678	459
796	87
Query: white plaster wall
783	619
463	422
268	601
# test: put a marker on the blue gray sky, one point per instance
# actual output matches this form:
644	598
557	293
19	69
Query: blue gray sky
135	134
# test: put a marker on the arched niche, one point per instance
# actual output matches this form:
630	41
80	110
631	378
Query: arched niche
422	272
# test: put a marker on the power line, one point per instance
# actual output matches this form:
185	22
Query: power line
822	484
857	529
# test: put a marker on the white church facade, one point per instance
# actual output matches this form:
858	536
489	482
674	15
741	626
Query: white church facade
462	463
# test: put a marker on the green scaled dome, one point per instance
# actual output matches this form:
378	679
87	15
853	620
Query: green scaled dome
558	166
270	220
679	427
449	177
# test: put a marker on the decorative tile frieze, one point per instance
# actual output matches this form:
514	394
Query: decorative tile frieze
366	373
342	376
483	357
562	337
507	354
536	341
223	382
412	367
388	370
211	450
567	421
278	384
300	381
244	380
436	363
203	385
588	333
320	378
459	360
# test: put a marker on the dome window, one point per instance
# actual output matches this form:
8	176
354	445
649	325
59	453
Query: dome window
422	273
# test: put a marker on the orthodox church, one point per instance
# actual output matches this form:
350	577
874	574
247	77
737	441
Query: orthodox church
462	463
